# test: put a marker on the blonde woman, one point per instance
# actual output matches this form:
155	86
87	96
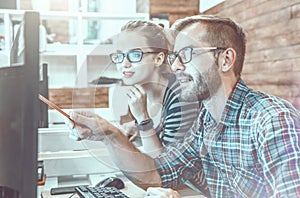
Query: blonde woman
160	117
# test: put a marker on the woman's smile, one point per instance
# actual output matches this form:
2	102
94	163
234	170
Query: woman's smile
128	74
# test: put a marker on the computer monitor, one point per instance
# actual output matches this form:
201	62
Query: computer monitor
44	90
17	57
19	117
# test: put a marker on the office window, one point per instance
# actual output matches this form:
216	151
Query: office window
207	4
96	30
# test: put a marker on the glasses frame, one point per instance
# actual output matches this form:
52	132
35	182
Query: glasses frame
127	55
192	51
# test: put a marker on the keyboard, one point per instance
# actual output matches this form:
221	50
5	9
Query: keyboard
99	192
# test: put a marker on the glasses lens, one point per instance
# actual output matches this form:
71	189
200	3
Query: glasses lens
117	57
135	56
171	58
185	55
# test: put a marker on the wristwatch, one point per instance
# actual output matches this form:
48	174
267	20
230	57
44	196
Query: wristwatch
145	125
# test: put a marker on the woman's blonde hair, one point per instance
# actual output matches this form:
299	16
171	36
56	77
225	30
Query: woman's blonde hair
155	34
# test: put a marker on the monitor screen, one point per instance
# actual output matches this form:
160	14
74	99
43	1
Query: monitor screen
19	117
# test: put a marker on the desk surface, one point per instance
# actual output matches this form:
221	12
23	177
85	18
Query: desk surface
130	190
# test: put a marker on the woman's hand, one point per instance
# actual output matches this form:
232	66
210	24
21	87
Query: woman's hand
157	192
137	101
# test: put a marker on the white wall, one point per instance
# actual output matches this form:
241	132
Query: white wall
115	7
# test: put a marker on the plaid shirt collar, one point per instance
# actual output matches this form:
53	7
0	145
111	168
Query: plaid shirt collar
234	102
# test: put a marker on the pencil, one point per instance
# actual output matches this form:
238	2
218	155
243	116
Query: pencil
54	106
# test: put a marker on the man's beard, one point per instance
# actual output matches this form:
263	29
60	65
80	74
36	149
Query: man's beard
203	85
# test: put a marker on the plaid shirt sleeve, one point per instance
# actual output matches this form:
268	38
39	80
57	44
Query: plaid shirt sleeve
180	160
279	151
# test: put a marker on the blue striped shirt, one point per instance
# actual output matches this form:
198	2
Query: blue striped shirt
254	151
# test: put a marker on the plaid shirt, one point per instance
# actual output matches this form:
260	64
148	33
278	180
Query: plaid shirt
254	151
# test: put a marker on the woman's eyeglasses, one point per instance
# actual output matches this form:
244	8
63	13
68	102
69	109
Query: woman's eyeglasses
185	54
133	56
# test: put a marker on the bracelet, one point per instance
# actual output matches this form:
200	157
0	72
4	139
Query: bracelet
145	125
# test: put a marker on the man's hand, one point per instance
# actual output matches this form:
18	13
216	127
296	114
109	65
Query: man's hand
89	126
130	130
158	192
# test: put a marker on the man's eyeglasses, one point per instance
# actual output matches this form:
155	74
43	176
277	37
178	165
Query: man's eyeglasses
185	54
133	56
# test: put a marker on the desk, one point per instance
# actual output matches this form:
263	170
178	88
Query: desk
130	190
